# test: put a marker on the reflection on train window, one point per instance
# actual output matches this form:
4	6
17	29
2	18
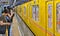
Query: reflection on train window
24	10
58	17
35	10
50	15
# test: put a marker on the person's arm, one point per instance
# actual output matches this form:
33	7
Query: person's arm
5	24
10	15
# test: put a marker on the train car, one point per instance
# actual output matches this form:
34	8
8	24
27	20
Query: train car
33	17
41	16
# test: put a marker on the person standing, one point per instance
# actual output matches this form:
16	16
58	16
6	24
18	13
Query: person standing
1	9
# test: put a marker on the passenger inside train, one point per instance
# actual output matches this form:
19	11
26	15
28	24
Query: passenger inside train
6	20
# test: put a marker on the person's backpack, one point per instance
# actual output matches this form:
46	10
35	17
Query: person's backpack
2	27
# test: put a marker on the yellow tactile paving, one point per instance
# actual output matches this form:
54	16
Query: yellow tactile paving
15	31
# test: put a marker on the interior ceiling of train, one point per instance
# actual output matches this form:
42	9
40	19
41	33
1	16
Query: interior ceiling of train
13	2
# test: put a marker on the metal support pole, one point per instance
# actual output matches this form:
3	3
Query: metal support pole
6	31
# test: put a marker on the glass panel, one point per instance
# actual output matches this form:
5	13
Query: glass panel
50	15
35	10
58	17
24	10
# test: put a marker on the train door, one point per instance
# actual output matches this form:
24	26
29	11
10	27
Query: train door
57	17
50	11
49	15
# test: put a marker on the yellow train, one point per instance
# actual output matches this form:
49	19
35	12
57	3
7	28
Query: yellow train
41	16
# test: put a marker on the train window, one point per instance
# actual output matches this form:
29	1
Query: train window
58	17
50	15
35	10
24	10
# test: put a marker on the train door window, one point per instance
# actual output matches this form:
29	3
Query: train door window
50	15
24	10
58	17
35	10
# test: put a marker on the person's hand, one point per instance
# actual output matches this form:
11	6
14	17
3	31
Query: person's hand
1	23
8	24
12	13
